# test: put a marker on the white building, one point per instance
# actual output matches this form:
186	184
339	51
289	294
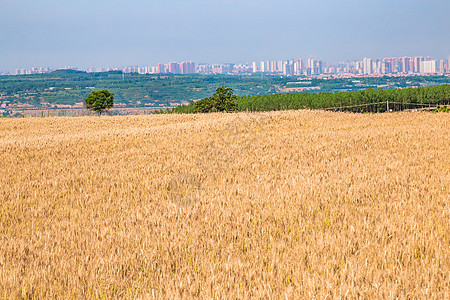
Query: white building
263	67
427	67
367	65
255	67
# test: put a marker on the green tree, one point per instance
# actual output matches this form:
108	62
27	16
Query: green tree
99	101
224	99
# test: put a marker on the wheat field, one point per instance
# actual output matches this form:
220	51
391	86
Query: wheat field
279	205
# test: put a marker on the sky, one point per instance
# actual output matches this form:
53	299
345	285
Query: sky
102	33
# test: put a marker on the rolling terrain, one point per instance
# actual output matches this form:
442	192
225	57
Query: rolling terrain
287	204
67	89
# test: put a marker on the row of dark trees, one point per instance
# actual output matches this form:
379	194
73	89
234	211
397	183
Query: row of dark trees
369	100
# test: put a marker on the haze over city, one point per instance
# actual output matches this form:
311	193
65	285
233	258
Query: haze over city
117	33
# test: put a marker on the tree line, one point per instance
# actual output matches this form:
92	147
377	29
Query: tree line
369	100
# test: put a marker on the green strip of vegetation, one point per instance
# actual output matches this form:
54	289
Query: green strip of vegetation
409	98
70	88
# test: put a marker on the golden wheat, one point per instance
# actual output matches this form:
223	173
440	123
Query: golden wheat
295	204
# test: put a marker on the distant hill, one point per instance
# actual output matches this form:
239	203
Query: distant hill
67	72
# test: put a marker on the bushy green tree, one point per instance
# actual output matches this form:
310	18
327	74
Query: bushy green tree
224	99
99	101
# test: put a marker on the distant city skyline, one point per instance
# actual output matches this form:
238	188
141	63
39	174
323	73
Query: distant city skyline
292	67
105	33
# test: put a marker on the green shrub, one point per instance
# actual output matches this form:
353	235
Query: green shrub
442	108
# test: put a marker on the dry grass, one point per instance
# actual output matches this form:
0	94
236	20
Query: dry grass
271	205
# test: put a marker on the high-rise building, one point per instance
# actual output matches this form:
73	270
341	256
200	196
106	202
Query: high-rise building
359	67
298	67
288	68
192	67
405	65
184	68
187	67
384	67
392	65
411	65
417	61
263	66
428	66
319	67
204	69
448	65
174	68
268	69
441	66
255	67
161	68
310	64
377	66
367	65
280	66
217	69
273	66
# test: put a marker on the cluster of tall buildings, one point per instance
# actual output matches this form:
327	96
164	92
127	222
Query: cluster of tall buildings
290	67
173	68
31	71
293	67
368	66
404	65
176	68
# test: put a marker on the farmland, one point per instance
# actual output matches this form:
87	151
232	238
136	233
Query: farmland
287	204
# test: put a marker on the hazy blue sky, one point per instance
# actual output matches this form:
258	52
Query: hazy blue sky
145	32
